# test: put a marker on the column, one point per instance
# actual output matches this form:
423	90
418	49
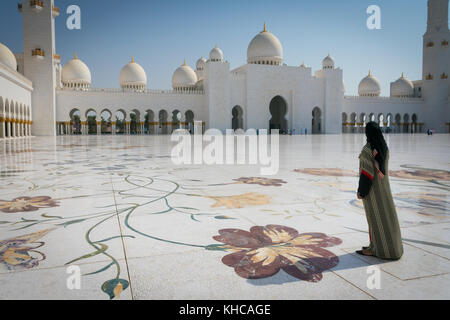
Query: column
127	127
113	127
13	126
2	127
169	127
99	127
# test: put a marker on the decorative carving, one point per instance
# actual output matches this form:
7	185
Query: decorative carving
444	76
429	76
430	44
444	43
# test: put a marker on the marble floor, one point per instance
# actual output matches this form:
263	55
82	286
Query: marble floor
117	212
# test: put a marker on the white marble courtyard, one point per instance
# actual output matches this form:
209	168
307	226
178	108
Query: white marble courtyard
140	227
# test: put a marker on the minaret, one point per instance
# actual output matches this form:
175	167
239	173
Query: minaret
436	66
40	62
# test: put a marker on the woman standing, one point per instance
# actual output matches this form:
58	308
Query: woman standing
375	191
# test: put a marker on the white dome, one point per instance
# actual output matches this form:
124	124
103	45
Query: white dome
216	54
369	87
403	87
265	48
201	63
7	57
75	73
133	76
328	62
184	77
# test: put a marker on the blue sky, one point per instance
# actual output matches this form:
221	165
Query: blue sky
161	34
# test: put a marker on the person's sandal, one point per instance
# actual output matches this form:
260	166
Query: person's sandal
361	252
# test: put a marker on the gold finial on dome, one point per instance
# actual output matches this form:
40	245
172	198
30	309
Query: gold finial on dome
369	74
76	56
132	59
184	63
403	75
264	30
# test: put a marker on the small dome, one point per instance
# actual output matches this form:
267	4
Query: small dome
216	54
201	63
369	87
265	48
328	62
7	57
184	77
133	76
403	87
75	73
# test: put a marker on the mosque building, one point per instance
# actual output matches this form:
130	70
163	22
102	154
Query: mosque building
39	96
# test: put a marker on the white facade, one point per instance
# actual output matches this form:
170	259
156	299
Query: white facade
262	94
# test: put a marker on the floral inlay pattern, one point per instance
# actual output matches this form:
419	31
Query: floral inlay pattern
20	252
240	201
261	181
334	172
25	204
263	251
422	174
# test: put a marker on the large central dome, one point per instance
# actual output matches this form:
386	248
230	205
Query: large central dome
265	48
133	76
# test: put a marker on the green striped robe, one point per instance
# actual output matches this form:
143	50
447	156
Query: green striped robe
384	229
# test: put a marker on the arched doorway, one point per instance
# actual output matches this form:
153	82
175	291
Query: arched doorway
75	121
189	120
120	122
278	110
106	117
316	125
414	123
163	121
237	122
344	122
149	122
175	121
353	121
389	123
134	121
363	120
406	123
91	117
381	121
398	120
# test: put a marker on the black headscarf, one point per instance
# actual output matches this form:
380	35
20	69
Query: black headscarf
376	140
